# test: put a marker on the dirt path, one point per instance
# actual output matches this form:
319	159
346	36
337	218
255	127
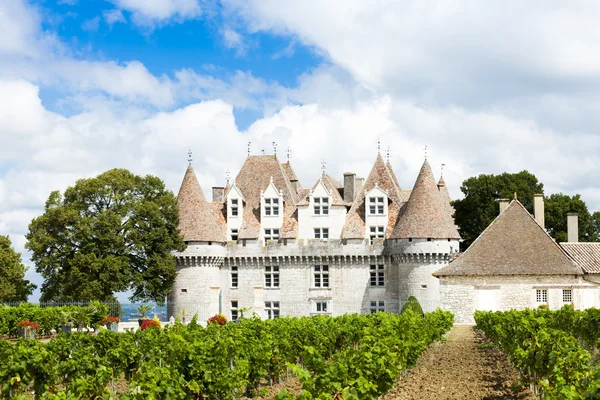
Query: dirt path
461	368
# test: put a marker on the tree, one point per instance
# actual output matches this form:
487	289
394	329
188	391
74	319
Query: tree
107	234
13	286
480	206
556	208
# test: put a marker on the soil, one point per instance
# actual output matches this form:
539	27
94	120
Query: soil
463	366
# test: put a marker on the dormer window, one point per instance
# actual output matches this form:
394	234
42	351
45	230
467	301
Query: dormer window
234	207
271	234
321	206
272	207
321	233
376	206
376	232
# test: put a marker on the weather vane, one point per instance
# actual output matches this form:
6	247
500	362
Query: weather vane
425	150
288	153
442	171
227	176
249	143
190	159
274	148
387	153
378	145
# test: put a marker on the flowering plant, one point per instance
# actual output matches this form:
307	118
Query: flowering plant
218	319
150	323
110	320
27	324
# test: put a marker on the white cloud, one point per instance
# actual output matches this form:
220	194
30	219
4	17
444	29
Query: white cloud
149	12
234	40
91	25
113	16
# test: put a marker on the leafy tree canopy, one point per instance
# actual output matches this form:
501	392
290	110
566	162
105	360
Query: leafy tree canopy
556	208
479	207
107	234
13	286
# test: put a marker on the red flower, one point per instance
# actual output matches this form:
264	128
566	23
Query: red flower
110	320
218	319
27	324
150	323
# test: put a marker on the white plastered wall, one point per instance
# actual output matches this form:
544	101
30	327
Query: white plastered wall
308	221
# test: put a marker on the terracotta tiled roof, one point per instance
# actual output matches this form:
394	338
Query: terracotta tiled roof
391	171
332	186
255	175
289	171
513	244
585	255
199	220
425	215
380	176
445	195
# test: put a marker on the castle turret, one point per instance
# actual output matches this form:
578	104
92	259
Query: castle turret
445	194
425	238
203	227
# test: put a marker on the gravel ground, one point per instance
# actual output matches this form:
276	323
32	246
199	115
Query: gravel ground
463	367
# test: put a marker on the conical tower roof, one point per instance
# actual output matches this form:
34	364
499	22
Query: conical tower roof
199	220
425	215
445	194
381	177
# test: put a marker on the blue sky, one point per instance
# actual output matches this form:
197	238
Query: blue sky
489	87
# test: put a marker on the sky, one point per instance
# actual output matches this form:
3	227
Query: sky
486	86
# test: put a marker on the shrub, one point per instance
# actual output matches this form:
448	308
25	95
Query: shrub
412	304
110	320
150	323
26	324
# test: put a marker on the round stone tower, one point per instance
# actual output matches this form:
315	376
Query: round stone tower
423	241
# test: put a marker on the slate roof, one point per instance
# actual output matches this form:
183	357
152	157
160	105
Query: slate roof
425	215
199	220
332	186
354	227
585	255
513	244
255	176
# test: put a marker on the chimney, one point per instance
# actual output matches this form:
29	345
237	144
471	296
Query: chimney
295	184
503	205
572	227
218	194
538	209
360	182
349	186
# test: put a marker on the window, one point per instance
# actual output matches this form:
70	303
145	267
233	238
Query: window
322	307
272	277
376	232
271	234
234	207
377	306
234	310
376	205
567	295
321	276
377	275
234	234
272	207
321	233
234	277
272	309
541	296
183	290
321	205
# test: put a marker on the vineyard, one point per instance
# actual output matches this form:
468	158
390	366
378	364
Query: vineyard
349	357
556	352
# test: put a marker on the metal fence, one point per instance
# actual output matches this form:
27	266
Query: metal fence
127	312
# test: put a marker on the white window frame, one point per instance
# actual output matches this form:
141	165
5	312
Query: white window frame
234	310
321	276
271	234
272	207
235	234
541	296
567	296
273	309
234	208
322	307
235	277
321	233
377	275
376	232
377	306
377	205
272	276
321	206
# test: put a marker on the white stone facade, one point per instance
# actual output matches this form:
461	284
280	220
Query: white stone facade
463	295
